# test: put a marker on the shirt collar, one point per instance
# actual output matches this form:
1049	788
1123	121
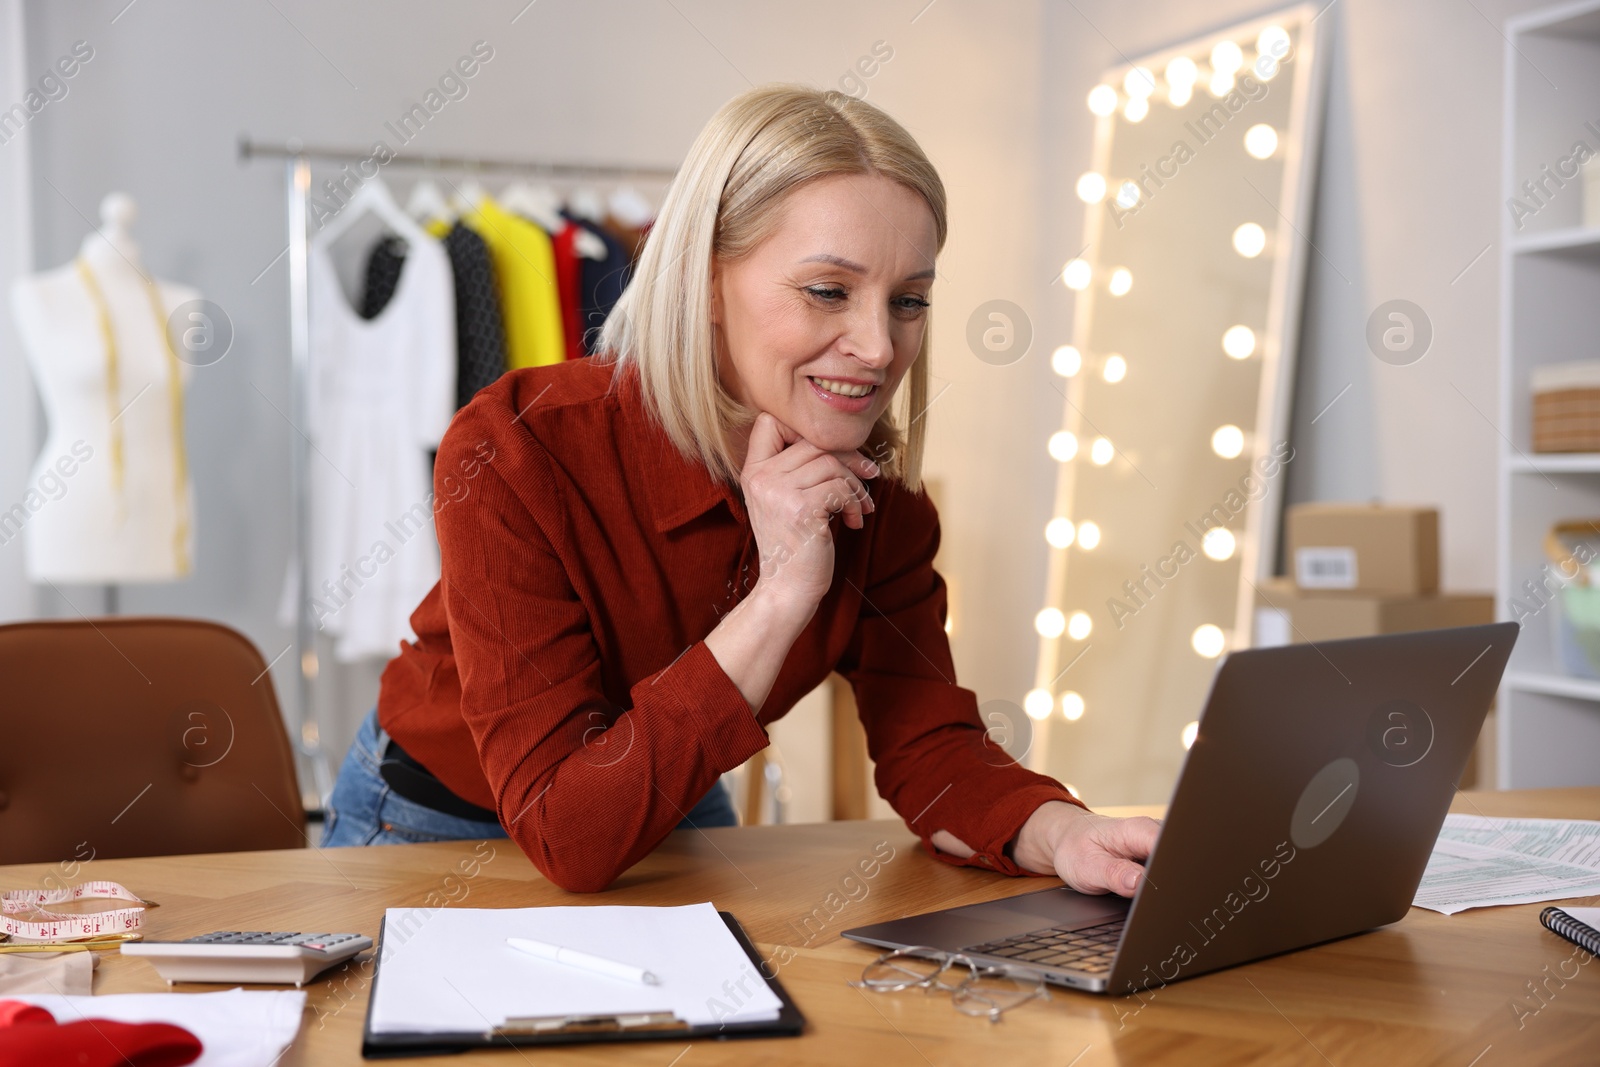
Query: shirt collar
679	489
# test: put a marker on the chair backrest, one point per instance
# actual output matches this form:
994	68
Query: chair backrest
140	737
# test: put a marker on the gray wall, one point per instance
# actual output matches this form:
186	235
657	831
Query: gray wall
994	92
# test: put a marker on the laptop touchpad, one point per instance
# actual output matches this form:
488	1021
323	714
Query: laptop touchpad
1056	907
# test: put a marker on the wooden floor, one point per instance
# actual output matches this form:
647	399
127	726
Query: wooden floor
1428	990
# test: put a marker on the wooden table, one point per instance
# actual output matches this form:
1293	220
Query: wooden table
1429	989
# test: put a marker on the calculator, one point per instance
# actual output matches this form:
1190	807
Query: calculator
248	956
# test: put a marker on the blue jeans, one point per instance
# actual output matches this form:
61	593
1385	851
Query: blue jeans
365	811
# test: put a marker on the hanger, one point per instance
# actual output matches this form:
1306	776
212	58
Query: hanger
541	204
427	204
587	204
468	196
629	207
374	197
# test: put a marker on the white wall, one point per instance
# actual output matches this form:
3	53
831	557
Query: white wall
995	93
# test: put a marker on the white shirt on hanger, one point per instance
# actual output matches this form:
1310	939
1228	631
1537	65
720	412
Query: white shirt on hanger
382	392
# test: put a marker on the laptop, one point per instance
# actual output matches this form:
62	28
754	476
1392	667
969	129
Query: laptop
1305	811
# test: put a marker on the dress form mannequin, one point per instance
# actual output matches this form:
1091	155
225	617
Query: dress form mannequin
110	499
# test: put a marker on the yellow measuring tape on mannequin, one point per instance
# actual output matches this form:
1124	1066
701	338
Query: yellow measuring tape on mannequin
180	537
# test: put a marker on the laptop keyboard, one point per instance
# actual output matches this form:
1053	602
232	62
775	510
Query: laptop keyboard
1086	948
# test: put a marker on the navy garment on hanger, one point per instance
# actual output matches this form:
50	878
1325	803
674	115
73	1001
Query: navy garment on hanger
600	281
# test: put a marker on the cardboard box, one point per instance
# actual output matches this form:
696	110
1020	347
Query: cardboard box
1363	548
1286	615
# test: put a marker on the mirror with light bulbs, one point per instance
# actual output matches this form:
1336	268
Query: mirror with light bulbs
1174	447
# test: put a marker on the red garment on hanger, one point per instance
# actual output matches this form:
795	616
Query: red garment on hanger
30	1036
564	245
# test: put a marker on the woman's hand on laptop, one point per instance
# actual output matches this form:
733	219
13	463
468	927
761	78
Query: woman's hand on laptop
1092	853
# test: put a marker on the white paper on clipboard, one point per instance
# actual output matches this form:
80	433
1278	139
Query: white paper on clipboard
449	970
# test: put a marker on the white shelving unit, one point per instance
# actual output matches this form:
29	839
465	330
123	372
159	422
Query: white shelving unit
1549	720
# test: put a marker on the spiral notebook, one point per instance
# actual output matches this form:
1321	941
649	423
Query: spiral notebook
1581	926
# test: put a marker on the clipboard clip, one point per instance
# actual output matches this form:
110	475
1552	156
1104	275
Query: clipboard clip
516	1026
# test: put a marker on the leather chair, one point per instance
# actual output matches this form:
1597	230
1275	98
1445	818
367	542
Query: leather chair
139	737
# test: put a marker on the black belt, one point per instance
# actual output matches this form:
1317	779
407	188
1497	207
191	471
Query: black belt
414	782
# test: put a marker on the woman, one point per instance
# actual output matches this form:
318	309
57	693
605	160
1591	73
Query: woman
650	555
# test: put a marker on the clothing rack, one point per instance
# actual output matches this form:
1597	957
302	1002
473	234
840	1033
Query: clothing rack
298	159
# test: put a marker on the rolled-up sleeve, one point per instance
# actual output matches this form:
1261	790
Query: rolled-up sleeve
933	762
585	788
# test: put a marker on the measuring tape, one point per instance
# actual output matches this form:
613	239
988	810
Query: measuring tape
42	924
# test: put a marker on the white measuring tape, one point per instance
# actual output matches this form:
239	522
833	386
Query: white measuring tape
42	924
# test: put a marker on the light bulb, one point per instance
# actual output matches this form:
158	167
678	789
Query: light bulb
1071	706
1190	732
1249	240
1088	535
1264	67
1179	95
1063	446
1102	100
1076	274
1182	71
1239	342
1273	41
1227	57
1127	195
1121	281
1066	361
1079	625
1115	370
1139	83
1059	532
949	624
1261	140
1208	640
1101	452
1136	109
1218	543
1227	442
1049	622
1072	789
1221	84
1038	703
1092	188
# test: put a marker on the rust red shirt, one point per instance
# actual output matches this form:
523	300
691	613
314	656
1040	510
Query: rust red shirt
560	674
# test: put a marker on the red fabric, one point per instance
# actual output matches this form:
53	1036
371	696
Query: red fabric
29	1037
567	287
560	674
20	1013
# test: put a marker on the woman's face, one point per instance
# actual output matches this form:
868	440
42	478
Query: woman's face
819	322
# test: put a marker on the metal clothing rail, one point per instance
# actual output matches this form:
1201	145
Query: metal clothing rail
249	149
297	173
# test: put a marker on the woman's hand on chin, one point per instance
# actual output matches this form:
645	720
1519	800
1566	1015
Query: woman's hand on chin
792	490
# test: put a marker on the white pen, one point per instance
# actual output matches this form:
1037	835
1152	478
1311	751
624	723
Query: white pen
573	958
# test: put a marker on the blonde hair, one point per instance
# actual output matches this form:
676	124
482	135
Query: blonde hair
725	199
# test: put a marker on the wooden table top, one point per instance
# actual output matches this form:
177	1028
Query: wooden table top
1428	989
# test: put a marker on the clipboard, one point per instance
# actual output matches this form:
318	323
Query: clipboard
579	1029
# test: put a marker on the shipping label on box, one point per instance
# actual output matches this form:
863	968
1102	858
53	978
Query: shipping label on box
1326	567
1383	550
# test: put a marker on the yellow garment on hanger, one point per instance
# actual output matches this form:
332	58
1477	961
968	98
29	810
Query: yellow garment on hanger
525	273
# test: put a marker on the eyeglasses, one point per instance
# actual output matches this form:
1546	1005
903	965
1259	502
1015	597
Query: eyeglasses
976	989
